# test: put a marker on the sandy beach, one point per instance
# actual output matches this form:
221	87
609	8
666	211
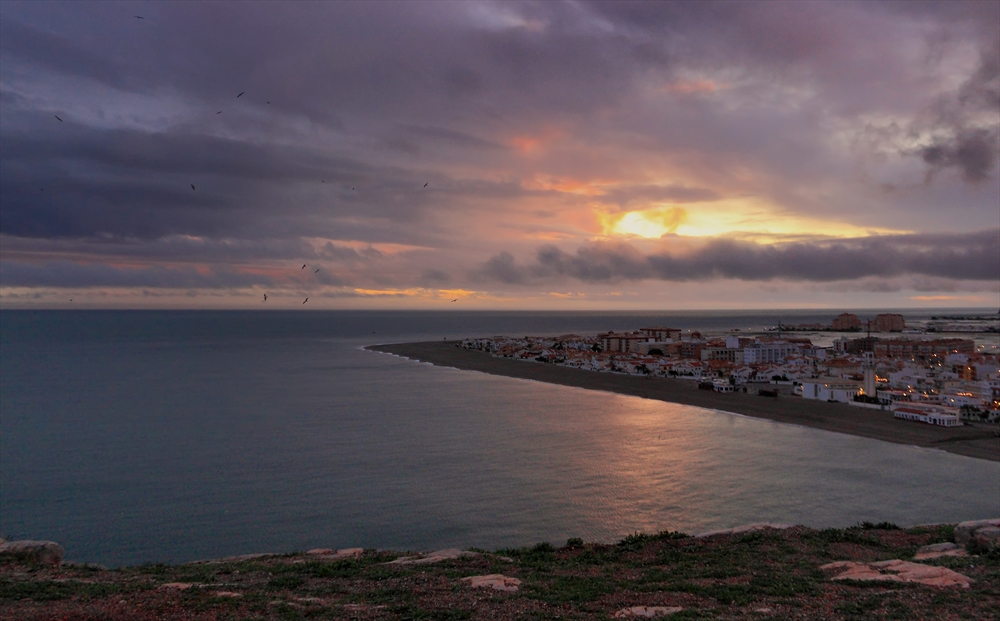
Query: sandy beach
978	441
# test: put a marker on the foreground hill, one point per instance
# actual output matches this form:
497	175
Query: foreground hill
757	573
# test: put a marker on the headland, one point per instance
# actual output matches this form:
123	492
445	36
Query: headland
979	441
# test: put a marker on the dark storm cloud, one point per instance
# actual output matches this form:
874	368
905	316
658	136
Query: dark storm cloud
190	250
973	152
973	256
58	54
962	142
350	108
69	274
85	182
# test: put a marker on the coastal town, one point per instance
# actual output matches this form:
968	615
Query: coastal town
878	363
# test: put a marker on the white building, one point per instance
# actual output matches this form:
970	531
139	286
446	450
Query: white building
830	389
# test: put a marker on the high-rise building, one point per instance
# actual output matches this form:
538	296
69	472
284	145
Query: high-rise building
846	321
889	322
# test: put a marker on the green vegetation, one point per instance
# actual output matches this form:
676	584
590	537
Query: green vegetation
768	574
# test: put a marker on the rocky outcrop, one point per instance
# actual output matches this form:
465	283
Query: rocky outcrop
328	554
898	571
646	612
39	552
498	582
937	550
746	528
979	535
432	557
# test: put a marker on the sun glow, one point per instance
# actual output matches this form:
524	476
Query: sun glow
743	218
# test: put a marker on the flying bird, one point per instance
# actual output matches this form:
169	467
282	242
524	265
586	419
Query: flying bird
425	185
303	266
317	271
219	112
60	120
269	103
192	186
265	297
455	300
240	95
305	300
138	17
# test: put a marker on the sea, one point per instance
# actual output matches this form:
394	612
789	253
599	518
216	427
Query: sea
135	437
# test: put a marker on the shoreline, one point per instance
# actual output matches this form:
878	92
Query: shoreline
970	440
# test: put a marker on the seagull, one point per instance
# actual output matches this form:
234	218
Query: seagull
192	186
62	121
240	95
303	266
317	271
425	185
305	300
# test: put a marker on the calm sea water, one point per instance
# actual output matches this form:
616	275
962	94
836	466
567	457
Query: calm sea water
133	437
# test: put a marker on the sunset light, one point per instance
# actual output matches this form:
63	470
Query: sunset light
493	149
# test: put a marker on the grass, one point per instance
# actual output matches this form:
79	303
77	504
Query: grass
728	577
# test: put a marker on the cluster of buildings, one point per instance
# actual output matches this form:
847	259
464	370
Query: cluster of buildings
849	322
939	381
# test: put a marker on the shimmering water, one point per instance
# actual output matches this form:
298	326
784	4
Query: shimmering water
166	436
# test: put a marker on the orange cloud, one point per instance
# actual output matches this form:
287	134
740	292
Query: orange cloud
568	185
690	87
417	292
527	144
932	298
649	223
530	143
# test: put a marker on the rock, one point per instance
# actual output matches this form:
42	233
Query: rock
937	550
646	612
898	571
966	531
237	559
746	528
985	539
41	552
432	557
498	582
335	555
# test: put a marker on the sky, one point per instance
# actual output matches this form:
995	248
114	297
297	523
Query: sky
493	155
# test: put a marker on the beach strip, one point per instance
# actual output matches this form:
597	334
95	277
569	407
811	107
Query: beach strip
979	441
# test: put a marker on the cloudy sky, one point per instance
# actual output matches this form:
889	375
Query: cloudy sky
564	155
